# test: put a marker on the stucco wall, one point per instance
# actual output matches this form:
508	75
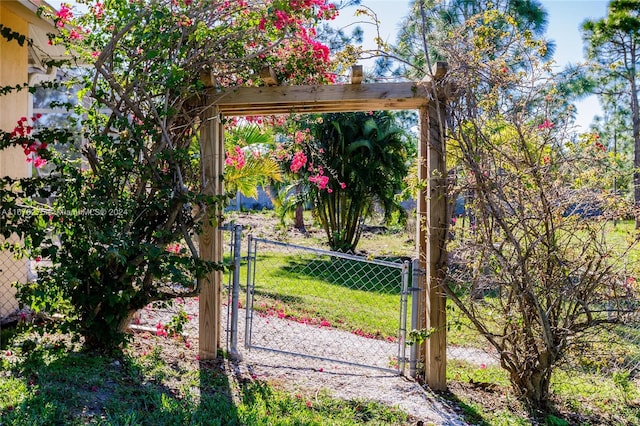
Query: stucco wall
13	70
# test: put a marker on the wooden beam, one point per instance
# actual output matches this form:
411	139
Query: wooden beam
212	164
356	74
268	75
243	101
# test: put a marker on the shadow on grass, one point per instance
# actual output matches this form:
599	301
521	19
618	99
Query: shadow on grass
55	387
276	296
469	412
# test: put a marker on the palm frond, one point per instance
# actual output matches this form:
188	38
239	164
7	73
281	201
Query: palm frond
255	172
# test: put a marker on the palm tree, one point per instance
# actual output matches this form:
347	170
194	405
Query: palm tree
365	157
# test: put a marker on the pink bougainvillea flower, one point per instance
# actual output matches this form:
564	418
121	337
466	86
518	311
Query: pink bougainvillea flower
546	124
173	248
235	159
98	10
75	35
63	15
320	180
39	162
299	160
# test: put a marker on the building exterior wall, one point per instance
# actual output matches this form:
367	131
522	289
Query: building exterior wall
13	70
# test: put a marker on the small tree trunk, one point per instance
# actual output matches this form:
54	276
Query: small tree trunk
126	321
532	387
299	218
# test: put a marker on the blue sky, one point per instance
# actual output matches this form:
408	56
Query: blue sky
565	18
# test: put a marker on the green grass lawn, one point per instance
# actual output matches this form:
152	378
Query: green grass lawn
157	382
363	298
160	382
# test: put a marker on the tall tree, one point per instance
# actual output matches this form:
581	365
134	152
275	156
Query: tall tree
613	45
425	29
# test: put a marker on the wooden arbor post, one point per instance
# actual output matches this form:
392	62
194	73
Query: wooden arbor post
431	230
211	172
432	205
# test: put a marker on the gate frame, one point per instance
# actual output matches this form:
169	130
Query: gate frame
427	96
403	269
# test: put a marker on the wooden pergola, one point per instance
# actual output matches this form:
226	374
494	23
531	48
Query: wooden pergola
426	96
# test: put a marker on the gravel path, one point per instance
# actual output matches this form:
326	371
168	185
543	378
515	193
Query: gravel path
312	375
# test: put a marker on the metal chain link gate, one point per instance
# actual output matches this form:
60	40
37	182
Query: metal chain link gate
325	305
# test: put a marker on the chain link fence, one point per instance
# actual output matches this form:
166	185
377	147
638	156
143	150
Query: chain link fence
327	305
11	271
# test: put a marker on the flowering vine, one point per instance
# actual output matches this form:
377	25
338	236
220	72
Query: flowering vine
125	197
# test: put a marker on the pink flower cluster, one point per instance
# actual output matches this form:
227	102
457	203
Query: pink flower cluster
98	10
283	19
161	330
546	124
64	15
301	136
174	248
30	146
23	128
298	162
321	181
235	159
75	35
325	10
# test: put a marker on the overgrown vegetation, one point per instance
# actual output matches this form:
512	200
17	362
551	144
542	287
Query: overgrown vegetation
117	213
536	263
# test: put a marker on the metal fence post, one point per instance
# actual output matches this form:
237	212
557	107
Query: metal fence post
402	338
235	291
249	308
415	289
